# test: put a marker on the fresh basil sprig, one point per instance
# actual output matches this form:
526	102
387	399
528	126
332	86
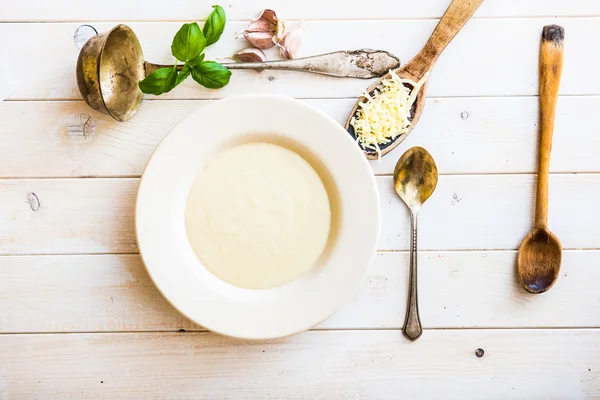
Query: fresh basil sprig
188	46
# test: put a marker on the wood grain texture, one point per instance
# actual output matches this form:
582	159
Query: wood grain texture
464	135
470	66
82	216
186	10
493	212
551	66
481	119
458	290
466	212
314	365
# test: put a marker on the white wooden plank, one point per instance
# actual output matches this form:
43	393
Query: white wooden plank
548	364
478	289
74	216
457	290
491	57
82	293
466	212
465	135
71	10
492	212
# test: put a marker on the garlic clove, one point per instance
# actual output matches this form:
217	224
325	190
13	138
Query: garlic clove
260	40
290	43
249	55
267	22
260	26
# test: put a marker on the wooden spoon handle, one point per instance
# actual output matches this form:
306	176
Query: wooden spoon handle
455	17
551	63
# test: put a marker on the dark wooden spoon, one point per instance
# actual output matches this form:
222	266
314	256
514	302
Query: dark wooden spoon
540	252
455	17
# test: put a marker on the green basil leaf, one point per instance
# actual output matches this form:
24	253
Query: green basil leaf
214	25
188	43
185	71
160	81
210	74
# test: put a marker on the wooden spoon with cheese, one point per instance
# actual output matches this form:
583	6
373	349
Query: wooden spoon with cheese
417	70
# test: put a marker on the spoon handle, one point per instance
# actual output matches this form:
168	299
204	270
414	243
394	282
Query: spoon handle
412	324
364	63
551	63
455	17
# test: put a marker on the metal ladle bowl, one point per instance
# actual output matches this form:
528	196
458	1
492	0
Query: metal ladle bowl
110	66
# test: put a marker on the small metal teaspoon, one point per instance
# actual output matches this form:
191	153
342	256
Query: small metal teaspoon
415	179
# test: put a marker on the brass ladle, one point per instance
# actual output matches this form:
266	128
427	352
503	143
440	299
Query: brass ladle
455	17
111	64
540	252
415	179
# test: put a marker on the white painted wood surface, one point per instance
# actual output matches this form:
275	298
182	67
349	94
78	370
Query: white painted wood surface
491	57
466	135
468	212
185	10
80	318
478	289
540	363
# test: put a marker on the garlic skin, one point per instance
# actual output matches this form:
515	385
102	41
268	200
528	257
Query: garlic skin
290	43
249	55
265	31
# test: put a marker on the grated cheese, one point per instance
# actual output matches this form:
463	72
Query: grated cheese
387	114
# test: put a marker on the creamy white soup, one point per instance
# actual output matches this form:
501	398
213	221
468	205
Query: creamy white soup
258	216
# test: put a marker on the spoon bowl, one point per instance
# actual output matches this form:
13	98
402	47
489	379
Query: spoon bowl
455	17
415	179
416	111
539	260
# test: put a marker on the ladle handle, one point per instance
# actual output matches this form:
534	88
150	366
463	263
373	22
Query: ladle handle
455	17
551	64
412	324
364	63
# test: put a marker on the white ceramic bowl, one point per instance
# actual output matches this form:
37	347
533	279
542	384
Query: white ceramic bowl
179	274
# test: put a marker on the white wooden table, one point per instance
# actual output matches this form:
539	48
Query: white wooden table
80	318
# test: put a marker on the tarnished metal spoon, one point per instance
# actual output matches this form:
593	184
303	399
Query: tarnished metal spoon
111	64
540	252
415	179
